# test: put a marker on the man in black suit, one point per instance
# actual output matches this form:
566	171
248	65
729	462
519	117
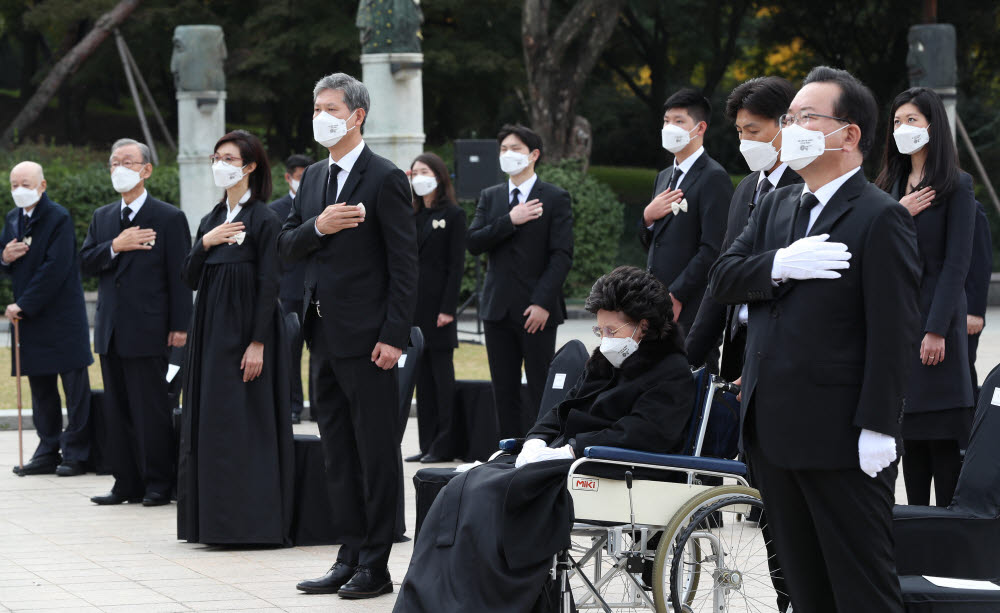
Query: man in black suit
526	227
754	107
136	247
682	227
39	255
352	223
293	277
831	274
977	288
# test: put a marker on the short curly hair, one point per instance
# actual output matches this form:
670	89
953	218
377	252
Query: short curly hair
639	295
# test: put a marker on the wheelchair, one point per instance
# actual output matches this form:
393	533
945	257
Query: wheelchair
654	536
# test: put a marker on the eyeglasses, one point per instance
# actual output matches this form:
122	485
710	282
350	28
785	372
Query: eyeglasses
804	117
606	331
126	163
228	159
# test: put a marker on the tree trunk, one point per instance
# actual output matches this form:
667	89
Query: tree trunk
65	67
558	62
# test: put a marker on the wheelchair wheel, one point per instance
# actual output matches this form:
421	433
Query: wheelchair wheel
664	552
728	554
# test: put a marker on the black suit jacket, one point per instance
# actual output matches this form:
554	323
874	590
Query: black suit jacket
526	264
826	357
442	263
55	336
714	320
977	284
293	275
365	278
141	297
682	247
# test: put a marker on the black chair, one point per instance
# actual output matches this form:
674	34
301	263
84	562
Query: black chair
961	540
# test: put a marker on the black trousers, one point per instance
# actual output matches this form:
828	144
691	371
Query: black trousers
507	346
139	428
924	461
832	532
435	397
295	368
46	412
357	409
973	348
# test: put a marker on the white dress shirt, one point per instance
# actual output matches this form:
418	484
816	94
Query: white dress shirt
346	163
135	206
824	194
523	189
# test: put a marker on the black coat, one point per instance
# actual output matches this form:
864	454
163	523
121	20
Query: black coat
442	263
944	237
826	357
55	336
365	278
141	297
526	264
714	320
293	275
682	247
977	284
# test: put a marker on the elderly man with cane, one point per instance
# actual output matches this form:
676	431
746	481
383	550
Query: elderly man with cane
39	254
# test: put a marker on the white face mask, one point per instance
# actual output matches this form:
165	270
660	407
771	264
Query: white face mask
24	197
800	147
328	130
513	162
617	349
295	185
226	175
123	179
759	155
910	139
674	138
423	184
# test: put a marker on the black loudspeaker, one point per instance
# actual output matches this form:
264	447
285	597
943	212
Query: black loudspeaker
477	166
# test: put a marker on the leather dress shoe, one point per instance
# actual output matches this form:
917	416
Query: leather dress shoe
414	458
43	465
296	418
70	468
339	574
153	499
367	583
433	459
113	498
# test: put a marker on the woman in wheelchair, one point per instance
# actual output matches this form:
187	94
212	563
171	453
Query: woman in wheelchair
489	539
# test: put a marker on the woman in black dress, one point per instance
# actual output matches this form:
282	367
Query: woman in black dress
441	239
920	168
235	469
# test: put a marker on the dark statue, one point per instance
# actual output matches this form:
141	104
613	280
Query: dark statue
196	63
389	26
931	58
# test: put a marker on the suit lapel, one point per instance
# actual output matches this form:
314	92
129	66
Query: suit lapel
428	227
841	202
354	177
785	216
687	181
141	219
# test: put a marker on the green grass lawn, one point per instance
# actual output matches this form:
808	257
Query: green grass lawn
470	363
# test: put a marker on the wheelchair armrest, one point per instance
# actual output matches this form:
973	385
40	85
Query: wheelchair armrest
511	445
667	460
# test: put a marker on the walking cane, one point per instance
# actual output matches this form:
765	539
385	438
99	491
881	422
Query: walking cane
17	373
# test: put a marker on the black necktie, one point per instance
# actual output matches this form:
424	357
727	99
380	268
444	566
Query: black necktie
762	189
126	212
675	178
332	185
23	226
515	197
806	205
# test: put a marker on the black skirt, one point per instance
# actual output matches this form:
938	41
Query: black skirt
946	425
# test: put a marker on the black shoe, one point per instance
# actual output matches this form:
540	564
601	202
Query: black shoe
339	574
153	499
296	418
433	459
113	498
367	583
43	465
414	458
69	468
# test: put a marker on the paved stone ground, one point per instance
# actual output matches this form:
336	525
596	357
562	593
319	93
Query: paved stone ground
59	552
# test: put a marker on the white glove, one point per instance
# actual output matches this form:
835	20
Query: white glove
875	451
810	258
529	450
559	453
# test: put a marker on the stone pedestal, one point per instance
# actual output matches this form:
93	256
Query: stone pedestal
931	62
201	119
395	125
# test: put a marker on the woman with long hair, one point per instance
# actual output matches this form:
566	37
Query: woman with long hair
920	168
441	240
235	469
